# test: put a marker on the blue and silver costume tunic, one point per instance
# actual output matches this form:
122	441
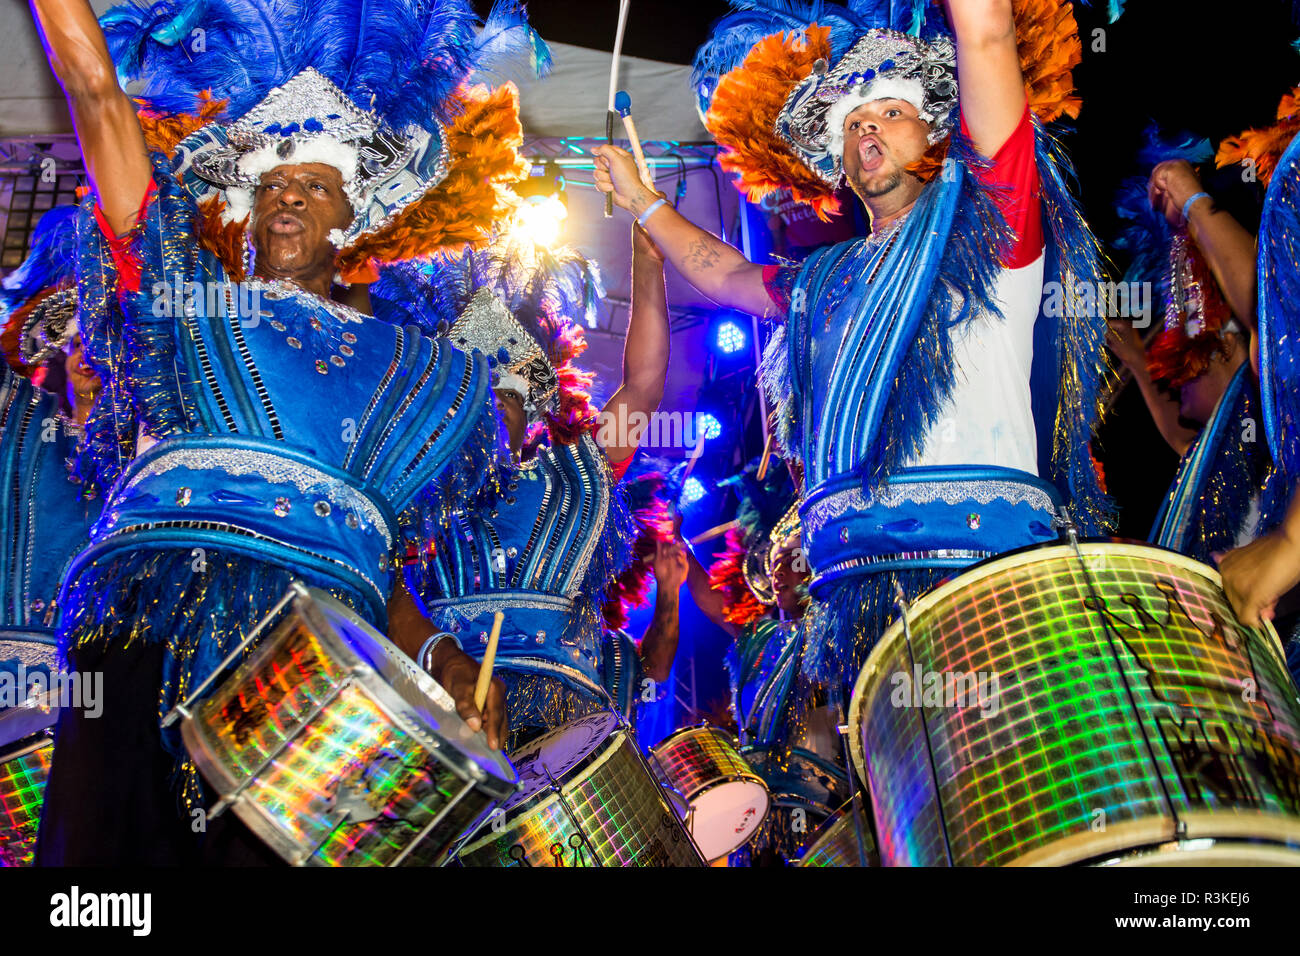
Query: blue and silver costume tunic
543	552
763	664
1224	494
296	439
862	370
44	521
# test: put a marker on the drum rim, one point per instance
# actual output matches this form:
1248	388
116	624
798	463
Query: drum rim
25	716
545	797
683	732
1005	561
26	745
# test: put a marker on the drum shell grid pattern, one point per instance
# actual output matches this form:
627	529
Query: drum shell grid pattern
616	805
1066	769
337	741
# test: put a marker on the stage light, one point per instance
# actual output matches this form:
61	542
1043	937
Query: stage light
707	426
729	337
539	219
692	491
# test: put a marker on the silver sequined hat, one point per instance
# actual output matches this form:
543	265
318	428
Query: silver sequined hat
310	120
883	63
50	328
519	362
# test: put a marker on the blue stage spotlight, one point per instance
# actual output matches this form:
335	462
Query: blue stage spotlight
692	491
707	426
730	337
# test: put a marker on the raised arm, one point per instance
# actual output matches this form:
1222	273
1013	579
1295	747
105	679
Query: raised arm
659	644
645	349
1229	250
112	143
988	69
705	261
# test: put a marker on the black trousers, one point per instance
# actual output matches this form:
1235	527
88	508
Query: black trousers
111	799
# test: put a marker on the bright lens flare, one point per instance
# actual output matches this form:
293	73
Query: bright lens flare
539	220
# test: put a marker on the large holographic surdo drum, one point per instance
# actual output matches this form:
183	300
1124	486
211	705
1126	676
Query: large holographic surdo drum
337	750
1103	706
587	798
726	801
26	745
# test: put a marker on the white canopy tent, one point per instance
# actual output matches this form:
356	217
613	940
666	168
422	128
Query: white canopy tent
569	105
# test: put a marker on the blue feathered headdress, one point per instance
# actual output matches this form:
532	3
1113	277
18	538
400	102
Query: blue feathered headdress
735	35
519	304
1146	233
50	264
367	87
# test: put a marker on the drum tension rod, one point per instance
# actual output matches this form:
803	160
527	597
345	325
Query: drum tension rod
296	590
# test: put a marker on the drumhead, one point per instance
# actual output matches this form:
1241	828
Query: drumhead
403	688
727	815
556	753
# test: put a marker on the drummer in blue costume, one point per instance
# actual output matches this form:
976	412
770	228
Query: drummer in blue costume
253	431
1196	377
545	550
1259	576
940	403
45	518
757	591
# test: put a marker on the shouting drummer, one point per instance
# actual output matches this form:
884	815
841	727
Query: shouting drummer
254	431
924	381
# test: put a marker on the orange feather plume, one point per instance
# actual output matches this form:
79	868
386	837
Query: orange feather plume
162	131
484	143
1047	38
726	575
743	116
1264	147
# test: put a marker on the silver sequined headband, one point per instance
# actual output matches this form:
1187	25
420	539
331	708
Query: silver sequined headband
886	58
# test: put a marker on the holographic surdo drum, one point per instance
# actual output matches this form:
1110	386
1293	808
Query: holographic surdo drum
337	750
587	798
1054	707
844	839
727	801
28	713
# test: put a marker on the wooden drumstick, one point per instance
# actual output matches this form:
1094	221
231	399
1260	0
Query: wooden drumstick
623	103
489	658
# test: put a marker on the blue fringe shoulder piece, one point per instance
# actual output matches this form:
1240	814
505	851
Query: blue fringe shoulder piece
1279	313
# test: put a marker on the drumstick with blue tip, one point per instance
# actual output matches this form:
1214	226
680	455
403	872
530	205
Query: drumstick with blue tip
485	668
623	103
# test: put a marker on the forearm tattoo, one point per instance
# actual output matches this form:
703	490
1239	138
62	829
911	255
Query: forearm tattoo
701	256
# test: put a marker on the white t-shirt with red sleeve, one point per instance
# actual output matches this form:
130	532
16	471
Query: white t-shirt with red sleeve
989	418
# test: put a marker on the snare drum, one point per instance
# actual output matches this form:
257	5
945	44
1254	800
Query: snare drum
338	751
1048	707
844	839
26	744
587	798
728	801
